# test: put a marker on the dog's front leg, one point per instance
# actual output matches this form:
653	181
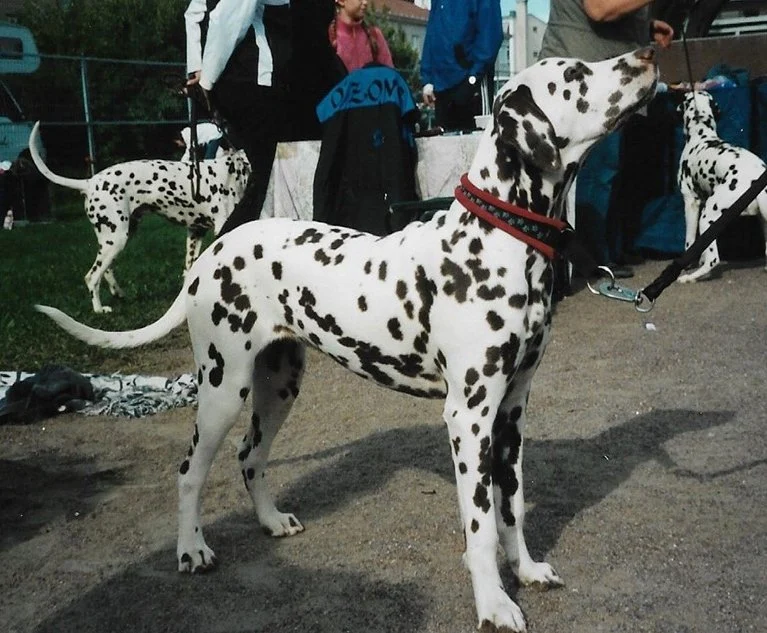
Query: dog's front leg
508	444
711	210
114	287
692	206
470	437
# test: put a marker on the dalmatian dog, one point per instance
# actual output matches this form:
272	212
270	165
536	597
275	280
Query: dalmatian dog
712	175
123	192
452	308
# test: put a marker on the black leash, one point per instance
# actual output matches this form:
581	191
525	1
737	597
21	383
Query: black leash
692	254
194	153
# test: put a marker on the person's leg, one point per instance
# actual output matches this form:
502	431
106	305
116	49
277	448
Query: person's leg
253	112
455	107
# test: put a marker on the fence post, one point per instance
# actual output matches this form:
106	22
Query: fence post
87	112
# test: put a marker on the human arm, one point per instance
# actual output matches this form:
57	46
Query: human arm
489	37
661	32
610	10
228	24
193	16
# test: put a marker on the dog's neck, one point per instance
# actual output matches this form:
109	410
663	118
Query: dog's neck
510	179
700	123
696	131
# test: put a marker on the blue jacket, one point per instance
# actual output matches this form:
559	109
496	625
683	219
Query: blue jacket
462	38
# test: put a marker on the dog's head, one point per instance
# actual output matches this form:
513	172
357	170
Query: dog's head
699	112
552	112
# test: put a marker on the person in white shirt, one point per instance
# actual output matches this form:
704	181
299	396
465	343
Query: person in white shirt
243	68
246	55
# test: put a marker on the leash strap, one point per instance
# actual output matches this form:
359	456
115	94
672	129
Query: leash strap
194	153
692	254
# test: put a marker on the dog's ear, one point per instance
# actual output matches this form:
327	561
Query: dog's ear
522	124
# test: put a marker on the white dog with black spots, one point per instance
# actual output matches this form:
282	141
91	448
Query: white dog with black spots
452	308
119	195
712	176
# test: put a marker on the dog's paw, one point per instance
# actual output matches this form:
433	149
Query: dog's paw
281	524
539	575
500	614
194	562
102	310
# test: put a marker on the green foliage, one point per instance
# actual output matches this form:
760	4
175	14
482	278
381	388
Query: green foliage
45	263
404	55
147	30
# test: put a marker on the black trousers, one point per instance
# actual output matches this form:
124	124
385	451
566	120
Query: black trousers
257	119
456	107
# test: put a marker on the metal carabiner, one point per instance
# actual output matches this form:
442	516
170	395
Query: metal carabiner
612	290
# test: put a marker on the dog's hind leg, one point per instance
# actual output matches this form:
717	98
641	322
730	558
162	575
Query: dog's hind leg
276	381
109	247
114	287
508	433
193	247
220	396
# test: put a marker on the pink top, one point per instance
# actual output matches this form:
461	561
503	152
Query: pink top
353	47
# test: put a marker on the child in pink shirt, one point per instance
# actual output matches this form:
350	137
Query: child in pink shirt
356	42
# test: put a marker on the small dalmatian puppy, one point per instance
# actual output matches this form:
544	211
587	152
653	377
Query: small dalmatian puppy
123	192
712	175
454	308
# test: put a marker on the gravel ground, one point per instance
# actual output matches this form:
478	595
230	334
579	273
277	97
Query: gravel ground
646	477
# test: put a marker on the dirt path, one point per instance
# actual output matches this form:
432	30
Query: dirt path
646	477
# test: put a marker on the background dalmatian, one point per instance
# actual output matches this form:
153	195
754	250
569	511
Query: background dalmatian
712	175
451	308
125	191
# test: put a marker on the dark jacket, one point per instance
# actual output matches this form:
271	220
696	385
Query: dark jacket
462	38
368	155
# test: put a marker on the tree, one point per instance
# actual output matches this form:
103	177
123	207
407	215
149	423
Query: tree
150	30
405	56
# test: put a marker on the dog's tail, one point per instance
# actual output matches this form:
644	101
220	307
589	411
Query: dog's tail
168	322
34	142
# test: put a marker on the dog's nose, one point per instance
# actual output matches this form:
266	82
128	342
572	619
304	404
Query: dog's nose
646	54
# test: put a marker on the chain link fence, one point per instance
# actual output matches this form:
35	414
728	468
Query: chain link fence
94	112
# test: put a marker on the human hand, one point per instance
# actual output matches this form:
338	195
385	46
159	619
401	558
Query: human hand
662	33
194	90
428	95
193	78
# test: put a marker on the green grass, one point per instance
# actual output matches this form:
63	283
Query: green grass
46	263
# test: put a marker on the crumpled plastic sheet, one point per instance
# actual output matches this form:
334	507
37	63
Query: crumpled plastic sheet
128	395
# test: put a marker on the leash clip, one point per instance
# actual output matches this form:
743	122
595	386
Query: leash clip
612	290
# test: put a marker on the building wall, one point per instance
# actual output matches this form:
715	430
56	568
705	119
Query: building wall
506	64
